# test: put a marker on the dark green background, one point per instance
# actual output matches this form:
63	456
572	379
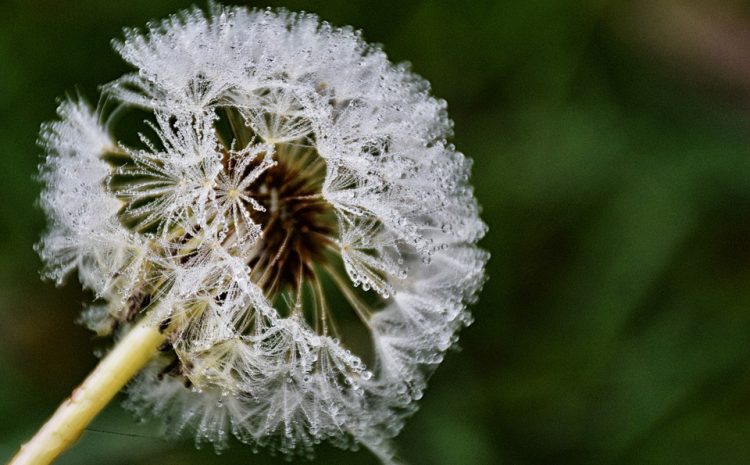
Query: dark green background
611	142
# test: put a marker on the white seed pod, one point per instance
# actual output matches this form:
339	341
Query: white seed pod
292	214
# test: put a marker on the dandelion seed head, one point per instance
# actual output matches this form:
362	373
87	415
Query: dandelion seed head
290	210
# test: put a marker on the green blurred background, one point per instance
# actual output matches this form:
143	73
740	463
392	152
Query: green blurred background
611	142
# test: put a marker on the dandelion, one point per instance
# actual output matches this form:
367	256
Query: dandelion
284	252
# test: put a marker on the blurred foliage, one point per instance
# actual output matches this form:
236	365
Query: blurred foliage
614	170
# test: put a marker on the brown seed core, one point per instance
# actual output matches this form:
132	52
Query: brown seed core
298	224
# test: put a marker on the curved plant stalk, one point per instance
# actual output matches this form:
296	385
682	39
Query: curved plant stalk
66	425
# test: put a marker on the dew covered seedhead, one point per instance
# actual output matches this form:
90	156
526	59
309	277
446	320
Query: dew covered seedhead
289	213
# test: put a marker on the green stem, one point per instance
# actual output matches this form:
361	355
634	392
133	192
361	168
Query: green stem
67	424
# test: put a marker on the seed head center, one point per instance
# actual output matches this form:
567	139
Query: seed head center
297	223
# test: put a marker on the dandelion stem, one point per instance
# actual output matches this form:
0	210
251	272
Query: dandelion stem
67	424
